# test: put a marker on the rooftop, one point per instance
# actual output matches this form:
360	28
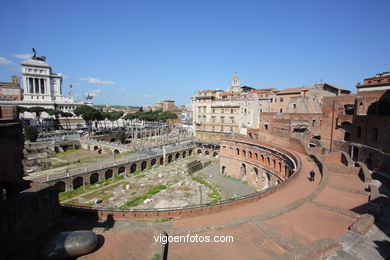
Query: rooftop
36	63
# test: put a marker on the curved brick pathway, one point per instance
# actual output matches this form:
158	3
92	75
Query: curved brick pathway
290	220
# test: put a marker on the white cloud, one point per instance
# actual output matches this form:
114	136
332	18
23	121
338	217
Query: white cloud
93	93
4	61
75	84
147	96
22	56
97	81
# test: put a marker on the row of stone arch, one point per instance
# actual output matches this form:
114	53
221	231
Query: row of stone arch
104	174
207	152
256	176
260	166
99	150
266	159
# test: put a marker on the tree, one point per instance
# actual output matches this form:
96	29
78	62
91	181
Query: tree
20	110
88	114
114	116
31	133
106	115
67	115
121	136
56	114
38	111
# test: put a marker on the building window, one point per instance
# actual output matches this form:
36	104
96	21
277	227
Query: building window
313	123
213	110
213	119
223	111
221	128
281	99
359	132
270	100
266	127
222	119
231	111
375	134
281	110
294	106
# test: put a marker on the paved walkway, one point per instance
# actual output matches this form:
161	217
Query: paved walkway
290	220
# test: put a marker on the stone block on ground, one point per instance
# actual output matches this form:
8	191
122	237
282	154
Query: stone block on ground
69	245
363	224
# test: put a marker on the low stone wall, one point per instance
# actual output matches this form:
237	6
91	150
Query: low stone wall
175	213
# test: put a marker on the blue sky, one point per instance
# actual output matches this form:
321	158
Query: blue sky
136	52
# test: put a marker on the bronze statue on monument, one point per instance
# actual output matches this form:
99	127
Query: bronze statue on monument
35	57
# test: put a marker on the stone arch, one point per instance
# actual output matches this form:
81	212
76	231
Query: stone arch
99	151
184	154
274	164
268	161
262	159
223	170
250	155
199	151
264	180
94	178
153	162
207	153
256	157
177	156
116	151
121	170
60	186
280	167
56	149
133	168
255	173
161	160
189	152
143	165
215	155
108	174
95	148
238	151
243	153
77	182
112	140
169	158
243	171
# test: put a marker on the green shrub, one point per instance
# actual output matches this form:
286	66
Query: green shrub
138	200
31	133
121	136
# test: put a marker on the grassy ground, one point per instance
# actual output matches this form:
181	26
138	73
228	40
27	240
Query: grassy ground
214	192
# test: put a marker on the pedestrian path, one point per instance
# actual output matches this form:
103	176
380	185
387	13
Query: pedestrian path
304	218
